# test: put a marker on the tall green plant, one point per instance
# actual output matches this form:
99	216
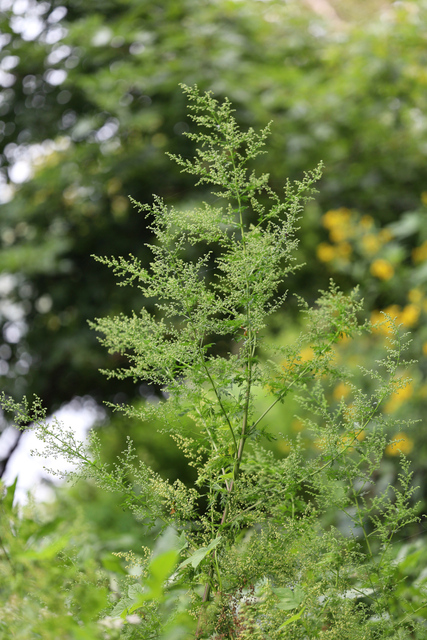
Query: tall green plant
250	550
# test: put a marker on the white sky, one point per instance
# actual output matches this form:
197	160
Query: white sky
80	414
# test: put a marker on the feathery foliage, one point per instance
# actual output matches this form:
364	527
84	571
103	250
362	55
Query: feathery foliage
248	551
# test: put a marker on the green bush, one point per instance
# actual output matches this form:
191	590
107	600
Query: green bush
52	585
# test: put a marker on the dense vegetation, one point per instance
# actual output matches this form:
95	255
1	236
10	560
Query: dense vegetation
252	536
94	96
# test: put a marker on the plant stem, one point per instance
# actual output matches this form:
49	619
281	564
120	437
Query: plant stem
251	342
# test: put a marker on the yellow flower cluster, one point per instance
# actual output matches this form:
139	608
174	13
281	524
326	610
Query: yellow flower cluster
340	225
346	229
419	254
401	444
399	397
371	243
408	317
342	390
326	252
338	221
415	296
382	269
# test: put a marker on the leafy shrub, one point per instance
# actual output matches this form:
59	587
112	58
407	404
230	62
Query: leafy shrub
52	585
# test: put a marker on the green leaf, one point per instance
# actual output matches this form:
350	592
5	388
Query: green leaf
293	618
122	608
289	598
134	591
196	558
160	569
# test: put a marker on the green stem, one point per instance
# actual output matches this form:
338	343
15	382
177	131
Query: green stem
251	341
215	390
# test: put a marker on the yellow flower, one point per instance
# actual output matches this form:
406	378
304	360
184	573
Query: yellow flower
336	217
398	397
401	444
382	269
325	252
385	235
306	354
383	325
341	391
338	234
371	243
410	314
393	311
424	197
419	254
425	348
415	295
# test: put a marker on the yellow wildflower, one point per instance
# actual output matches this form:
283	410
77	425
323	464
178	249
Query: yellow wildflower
383	325
393	311
410	315
341	391
325	252
382	269
398	397
371	243
401	444
336	217
339	233
306	354
419	254
424	197
415	296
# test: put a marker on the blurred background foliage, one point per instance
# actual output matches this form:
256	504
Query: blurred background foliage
90	102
